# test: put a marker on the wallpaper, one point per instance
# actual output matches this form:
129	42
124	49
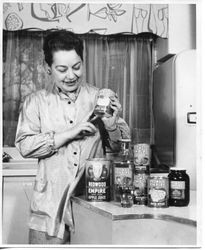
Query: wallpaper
87	17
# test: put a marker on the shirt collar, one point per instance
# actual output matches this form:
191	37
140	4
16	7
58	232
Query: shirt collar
72	96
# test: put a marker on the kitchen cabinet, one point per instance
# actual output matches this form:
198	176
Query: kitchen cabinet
16	200
107	223
181	30
17	185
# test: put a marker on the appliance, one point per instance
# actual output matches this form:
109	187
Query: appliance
174	108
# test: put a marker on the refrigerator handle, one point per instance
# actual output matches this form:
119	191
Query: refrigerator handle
191	117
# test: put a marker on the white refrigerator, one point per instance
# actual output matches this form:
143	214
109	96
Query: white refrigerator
174	109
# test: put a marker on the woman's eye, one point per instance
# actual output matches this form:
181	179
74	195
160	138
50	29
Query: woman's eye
62	70
76	67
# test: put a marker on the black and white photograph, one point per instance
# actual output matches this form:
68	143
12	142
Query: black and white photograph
102	124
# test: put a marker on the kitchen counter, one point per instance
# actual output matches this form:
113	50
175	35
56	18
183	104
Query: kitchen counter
136	225
17	165
19	168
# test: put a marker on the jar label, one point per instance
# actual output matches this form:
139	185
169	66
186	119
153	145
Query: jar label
141	154
123	176
177	184
103	101
158	192
177	190
140	188
97	180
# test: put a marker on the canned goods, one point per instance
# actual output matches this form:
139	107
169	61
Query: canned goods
142	154
103	103
158	190
98	179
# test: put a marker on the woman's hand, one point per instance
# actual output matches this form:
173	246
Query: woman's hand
110	122
79	131
82	129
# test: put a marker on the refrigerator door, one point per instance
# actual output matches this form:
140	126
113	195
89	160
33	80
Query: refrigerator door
185	101
164	112
174	109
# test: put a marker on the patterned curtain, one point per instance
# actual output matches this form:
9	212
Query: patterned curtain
122	63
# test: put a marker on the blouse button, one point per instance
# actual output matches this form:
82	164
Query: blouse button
71	121
75	153
75	164
69	102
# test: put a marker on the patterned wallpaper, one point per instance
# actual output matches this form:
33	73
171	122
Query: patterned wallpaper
87	17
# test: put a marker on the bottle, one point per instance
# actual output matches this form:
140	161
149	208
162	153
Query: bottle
123	172
179	192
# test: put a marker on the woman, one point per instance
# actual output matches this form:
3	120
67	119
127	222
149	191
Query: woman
54	127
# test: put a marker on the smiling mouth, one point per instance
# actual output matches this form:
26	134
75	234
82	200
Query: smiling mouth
70	83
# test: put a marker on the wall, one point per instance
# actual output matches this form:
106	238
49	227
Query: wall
182	30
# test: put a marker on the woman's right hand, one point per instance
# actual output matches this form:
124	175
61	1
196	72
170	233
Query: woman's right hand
82	129
79	131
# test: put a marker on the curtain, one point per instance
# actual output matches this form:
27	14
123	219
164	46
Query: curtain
124	64
23	73
120	62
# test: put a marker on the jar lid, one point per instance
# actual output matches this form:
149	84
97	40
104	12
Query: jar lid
107	92
141	167
159	170
177	169
124	140
159	174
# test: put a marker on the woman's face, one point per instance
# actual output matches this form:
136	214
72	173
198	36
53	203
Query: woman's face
67	70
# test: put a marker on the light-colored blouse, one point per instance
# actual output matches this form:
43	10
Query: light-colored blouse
59	171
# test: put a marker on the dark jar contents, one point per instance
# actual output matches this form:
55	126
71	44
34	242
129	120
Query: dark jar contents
140	185
179	193
126	196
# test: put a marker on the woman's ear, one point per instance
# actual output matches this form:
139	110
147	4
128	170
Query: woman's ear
47	69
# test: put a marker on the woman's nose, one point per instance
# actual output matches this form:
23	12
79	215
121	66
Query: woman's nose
70	74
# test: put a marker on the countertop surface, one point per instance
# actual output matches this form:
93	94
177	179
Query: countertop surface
19	168
17	165
114	211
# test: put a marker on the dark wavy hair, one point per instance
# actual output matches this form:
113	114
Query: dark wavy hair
61	40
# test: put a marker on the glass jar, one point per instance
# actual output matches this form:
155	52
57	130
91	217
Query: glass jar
123	170
158	190
140	185
103	107
179	190
142	154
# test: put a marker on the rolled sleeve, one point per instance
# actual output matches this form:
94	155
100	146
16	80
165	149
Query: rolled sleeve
122	131
30	141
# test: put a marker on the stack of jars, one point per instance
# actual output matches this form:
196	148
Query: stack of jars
123	175
141	173
135	182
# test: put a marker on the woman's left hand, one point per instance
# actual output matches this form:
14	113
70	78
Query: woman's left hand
110	122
